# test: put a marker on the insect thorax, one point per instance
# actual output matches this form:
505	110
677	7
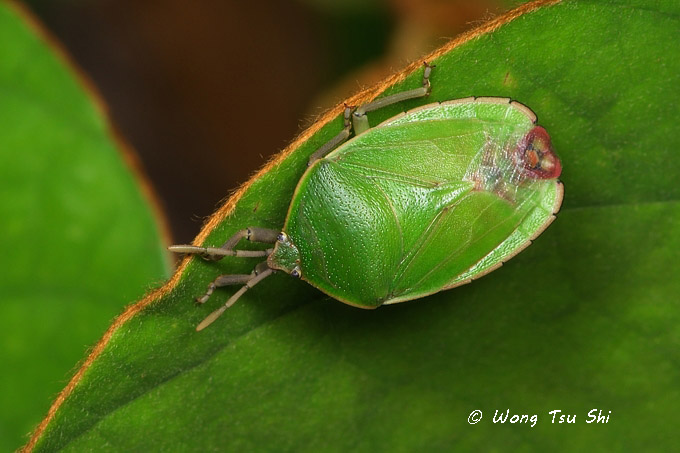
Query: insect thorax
286	256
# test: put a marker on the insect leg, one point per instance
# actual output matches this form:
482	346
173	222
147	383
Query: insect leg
359	118
253	234
224	280
261	272
335	141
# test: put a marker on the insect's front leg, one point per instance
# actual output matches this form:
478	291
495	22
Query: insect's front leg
231	279
253	234
260	272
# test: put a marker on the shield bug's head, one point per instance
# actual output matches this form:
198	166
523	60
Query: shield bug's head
535	155
285	256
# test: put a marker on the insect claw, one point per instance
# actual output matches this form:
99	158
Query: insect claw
204	298
426	75
200	300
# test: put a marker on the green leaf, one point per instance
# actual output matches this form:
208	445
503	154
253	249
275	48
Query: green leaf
586	318
78	239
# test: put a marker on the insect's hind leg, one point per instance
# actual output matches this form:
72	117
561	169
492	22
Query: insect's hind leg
260	272
252	234
359	118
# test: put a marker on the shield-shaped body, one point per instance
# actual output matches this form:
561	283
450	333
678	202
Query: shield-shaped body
426	201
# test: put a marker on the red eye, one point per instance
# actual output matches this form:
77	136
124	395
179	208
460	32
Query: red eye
536	157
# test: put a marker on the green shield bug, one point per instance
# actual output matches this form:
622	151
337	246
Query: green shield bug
428	200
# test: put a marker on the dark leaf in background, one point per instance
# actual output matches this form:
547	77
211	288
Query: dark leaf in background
79	239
